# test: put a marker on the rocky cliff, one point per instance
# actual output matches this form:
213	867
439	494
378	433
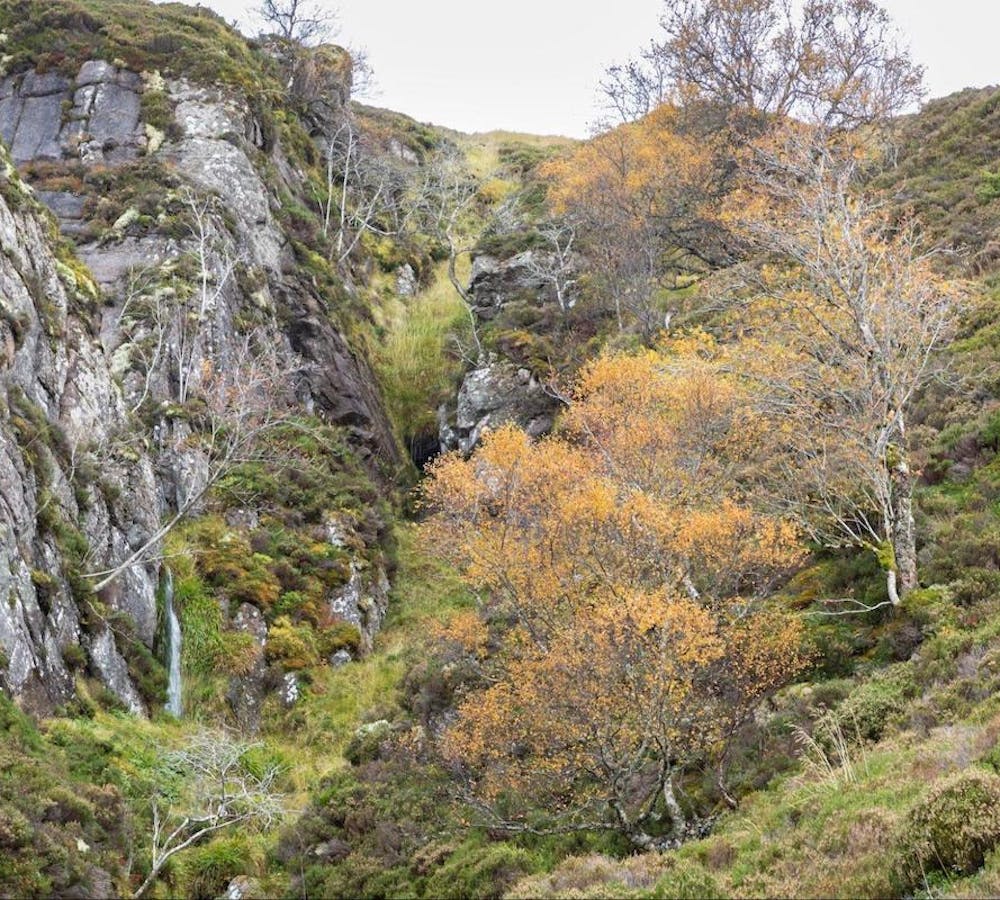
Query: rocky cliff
503	386
182	200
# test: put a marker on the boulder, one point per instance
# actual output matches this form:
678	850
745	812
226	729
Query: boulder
496	393
495	283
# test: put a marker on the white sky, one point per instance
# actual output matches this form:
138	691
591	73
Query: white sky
533	65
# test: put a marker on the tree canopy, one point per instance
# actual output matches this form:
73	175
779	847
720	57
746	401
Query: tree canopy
623	572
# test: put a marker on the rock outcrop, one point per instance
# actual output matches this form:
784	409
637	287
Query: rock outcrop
495	393
95	116
494	283
55	518
498	391
84	348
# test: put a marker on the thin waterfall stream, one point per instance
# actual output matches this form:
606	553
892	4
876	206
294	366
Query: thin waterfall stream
174	704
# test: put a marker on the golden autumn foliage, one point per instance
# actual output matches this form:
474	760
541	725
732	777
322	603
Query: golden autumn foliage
644	168
623	574
642	197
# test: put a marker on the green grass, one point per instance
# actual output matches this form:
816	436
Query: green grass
814	834
97	747
945	171
487	152
172	37
419	360
425	592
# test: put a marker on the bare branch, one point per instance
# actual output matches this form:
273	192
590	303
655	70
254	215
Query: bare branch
219	790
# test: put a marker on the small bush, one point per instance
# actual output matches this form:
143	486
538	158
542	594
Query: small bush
15	829
292	645
952	828
687	881
479	872
339	636
976	585
366	744
873	706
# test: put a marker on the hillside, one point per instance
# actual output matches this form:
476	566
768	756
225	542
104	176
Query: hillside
944	170
642	633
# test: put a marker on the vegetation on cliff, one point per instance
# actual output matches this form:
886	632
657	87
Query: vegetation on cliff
730	629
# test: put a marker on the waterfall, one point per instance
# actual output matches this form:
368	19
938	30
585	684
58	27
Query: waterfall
174	704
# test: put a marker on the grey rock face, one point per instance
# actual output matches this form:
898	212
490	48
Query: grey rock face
76	370
67	208
95	71
214	156
37	84
496	391
320	81
494	283
493	394
101	125
36	131
109	666
54	377
363	602
113	122
246	693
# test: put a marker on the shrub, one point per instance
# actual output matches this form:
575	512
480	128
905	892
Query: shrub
687	881
239	654
366	744
476	871
15	829
292	645
339	636
952	828
75	657
976	585
873	706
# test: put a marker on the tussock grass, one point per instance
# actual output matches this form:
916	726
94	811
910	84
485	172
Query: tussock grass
419	362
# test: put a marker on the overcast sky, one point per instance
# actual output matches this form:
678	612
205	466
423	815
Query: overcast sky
533	65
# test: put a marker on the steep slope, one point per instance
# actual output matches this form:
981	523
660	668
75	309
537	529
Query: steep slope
945	170
875	776
60	396
165	211
188	196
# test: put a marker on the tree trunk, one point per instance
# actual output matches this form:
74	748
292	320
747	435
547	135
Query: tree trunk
636	836
677	816
904	531
720	783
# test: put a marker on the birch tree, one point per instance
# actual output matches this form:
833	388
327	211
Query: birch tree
625	589
852	311
839	63
302	21
190	326
558	265
642	196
